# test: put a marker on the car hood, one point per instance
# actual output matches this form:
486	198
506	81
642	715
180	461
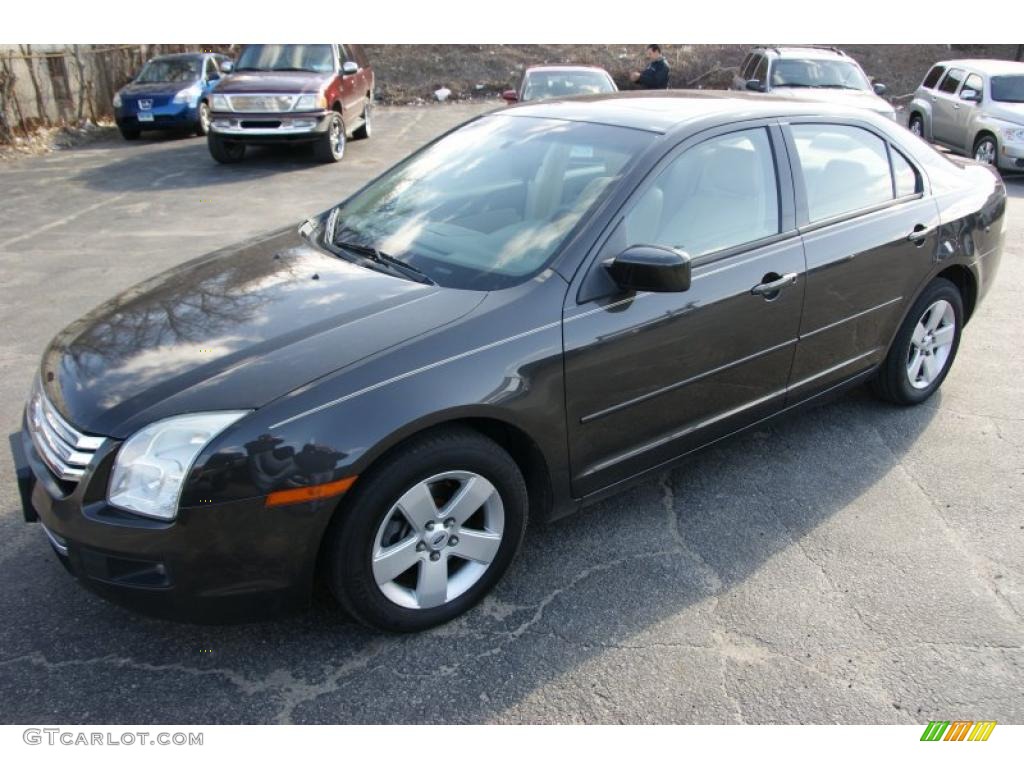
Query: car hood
273	82
841	96
234	330
156	89
1006	110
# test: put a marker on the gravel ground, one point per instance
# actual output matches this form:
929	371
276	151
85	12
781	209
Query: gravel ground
857	563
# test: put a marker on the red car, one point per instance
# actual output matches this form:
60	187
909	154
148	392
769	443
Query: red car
320	94
552	82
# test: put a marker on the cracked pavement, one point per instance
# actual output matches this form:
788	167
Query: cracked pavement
856	563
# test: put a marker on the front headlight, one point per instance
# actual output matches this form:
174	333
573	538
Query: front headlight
189	95
153	463
1013	134
117	100
220	103
310	101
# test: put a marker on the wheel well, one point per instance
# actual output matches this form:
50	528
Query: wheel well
985	133
336	107
963	279
916	113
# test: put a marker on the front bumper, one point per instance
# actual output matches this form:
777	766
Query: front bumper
215	563
271	127
1011	156
164	117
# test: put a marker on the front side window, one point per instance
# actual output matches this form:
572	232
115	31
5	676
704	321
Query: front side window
1008	88
933	76
818	73
951	81
170	71
286	58
211	69
761	71
719	194
844	169
974	83
749	65
489	204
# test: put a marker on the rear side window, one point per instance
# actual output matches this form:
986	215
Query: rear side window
905	179
933	77
844	169
719	194
951	81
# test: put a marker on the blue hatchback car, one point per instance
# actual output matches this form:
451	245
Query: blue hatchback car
171	92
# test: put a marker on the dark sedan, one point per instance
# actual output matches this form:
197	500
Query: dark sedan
538	308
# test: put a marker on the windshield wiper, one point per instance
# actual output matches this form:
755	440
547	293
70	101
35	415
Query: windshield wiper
293	69
250	69
386	260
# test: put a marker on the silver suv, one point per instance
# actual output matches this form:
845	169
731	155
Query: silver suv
811	72
974	107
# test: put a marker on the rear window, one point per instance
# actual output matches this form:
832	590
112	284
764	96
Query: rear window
933	77
1008	88
951	81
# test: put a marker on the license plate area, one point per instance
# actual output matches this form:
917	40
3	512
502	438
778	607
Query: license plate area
145	117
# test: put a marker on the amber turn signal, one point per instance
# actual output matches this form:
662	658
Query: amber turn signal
310	492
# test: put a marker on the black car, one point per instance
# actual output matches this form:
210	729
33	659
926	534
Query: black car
541	306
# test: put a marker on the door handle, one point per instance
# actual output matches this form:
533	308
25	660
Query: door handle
920	233
769	288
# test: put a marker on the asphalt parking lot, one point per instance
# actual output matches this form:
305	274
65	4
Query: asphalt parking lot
857	563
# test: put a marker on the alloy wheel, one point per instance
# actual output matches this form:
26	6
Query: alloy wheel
985	151
930	344
438	539
204	118
337	138
916	126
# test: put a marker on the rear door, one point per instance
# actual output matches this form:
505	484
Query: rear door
944	103
650	376
869	232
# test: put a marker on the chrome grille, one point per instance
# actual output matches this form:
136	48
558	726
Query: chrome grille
66	451
262	103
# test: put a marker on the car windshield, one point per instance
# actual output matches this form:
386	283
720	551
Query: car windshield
818	73
1008	88
549	84
286	58
487	206
169	71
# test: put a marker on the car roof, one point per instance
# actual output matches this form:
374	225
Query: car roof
663	111
170	56
986	66
565	68
818	52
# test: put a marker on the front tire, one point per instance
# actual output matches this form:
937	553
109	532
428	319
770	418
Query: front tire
203	123
427	532
986	150
226	152
924	348
130	134
330	147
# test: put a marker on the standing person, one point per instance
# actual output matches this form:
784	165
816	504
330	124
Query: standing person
656	74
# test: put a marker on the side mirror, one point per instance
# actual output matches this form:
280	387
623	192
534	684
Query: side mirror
880	88
349	68
651	268
754	85
227	66
510	96
969	94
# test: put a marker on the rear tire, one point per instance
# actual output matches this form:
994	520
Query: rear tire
924	348
433	581
223	151
330	148
130	134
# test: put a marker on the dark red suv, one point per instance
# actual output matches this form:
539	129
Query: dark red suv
320	94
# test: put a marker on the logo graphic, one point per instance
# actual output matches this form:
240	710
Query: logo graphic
145	103
958	730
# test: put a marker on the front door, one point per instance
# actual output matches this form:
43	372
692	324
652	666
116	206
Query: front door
650	376
869	233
